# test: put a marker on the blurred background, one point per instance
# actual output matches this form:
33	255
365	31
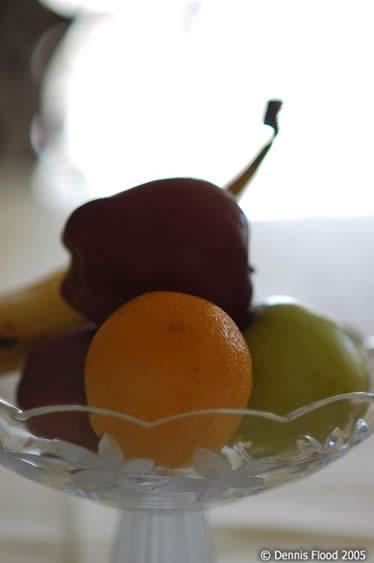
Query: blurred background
121	92
97	96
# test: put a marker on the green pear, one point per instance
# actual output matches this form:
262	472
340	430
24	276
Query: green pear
300	357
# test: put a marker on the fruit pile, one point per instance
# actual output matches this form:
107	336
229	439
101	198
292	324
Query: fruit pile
161	271
159	321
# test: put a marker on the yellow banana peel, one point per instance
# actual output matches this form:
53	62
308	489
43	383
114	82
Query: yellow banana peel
28	314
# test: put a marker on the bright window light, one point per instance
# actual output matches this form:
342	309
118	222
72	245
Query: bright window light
168	88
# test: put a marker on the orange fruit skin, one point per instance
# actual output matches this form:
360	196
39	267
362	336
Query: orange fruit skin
161	354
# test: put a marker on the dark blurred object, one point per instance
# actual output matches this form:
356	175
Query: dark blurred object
25	48
54	375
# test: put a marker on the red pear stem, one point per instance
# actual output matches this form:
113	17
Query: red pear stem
237	185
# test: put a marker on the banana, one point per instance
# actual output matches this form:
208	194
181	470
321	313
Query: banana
30	313
237	185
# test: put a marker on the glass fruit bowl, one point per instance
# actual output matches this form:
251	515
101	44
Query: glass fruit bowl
163	500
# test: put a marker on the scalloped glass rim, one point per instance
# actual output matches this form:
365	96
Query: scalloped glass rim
113	478
243	467
22	416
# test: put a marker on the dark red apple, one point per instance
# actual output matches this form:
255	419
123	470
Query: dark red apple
176	234
54	375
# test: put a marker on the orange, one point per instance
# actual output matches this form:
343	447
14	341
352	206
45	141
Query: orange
161	354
